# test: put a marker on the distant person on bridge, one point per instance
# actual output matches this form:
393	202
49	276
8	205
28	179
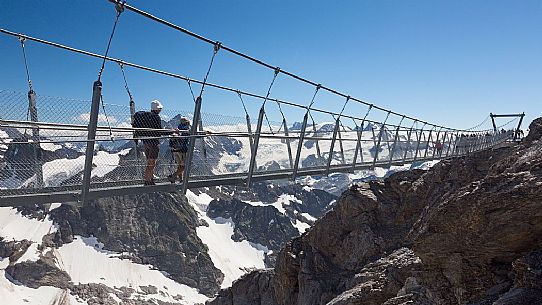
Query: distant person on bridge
179	148
150	138
439	146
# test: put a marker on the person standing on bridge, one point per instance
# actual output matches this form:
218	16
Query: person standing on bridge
151	137
179	148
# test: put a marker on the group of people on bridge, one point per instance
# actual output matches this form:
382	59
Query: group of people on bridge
149	130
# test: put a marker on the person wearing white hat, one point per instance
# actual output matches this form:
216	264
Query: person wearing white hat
150	138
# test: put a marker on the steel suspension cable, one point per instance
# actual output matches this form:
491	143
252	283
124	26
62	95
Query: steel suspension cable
22	40
267	97
191	90
121	65
253	59
31	90
137	66
242	102
119	6
216	48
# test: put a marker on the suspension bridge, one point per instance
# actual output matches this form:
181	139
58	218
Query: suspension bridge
63	150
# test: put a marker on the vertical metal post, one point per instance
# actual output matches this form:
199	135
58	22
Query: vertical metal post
38	169
203	147
318	152
435	146
409	134
341	145
451	143
493	121
382	128
358	147
132	113
419	139
190	153
516	134
300	145
374	135
252	164
89	153
429	138
288	145
395	142
332	146
443	143
249	130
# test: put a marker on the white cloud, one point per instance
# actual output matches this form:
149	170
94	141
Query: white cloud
101	118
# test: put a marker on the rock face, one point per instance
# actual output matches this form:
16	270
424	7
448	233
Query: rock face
158	229
260	224
468	231
42	272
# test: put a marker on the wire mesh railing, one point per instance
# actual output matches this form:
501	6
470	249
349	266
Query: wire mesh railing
222	147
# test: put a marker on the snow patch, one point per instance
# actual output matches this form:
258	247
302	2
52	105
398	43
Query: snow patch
233	258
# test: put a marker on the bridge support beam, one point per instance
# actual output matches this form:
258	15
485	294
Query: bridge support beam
190	154
358	147
300	145
252	165
288	145
516	134
35	138
429	139
434	145
419	140
377	147
249	130
89	153
332	146
392	152
409	134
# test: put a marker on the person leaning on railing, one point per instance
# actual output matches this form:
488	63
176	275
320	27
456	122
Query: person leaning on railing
179	148
150	120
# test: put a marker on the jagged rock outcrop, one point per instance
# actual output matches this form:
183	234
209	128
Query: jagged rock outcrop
468	231
42	272
13	249
254	288
157	229
259	224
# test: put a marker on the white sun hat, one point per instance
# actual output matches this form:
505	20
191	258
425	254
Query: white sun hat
156	105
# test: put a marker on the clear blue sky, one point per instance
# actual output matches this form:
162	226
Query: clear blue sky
449	62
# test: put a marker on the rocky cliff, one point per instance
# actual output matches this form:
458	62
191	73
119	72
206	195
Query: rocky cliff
468	231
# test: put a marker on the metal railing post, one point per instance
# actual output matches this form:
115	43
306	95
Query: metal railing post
395	142
409	134
89	153
419	140
288	145
190	153
38	169
249	130
132	112
341	146
332	146
443	143
300	145
377	148
450	143
254	152
434	145
516	134
358	147
429	138
318	152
